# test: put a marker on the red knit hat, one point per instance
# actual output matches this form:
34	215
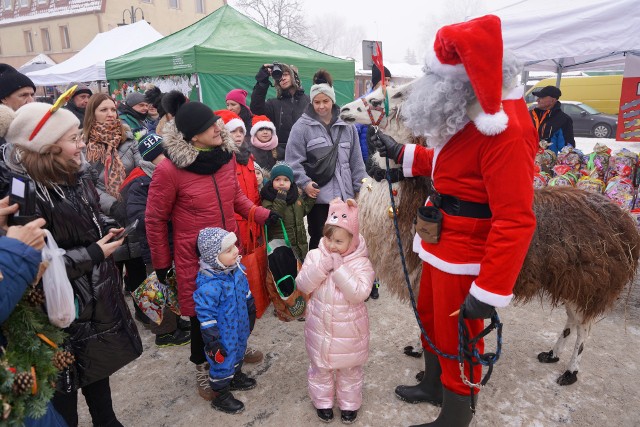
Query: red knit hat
472	51
232	121
239	96
259	122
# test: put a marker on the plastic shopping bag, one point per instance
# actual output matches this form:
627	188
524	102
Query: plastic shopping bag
58	292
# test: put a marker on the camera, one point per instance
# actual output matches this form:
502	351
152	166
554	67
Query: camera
276	71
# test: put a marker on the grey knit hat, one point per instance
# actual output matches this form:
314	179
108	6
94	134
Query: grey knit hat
323	88
135	98
213	241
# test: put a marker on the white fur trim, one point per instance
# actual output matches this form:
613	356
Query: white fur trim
490	298
227	241
469	269
407	159
515	93
445	70
491	124
262	124
6	117
234	124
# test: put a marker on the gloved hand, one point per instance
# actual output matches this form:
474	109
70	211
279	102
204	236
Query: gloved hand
263	75
476	309
281	195
161	273
215	351
337	260
386	146
273	219
326	264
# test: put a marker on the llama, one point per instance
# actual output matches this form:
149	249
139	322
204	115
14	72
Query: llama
584	251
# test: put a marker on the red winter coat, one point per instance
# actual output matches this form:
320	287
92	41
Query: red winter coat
249	186
193	191
495	170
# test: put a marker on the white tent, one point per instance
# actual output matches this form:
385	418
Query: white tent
88	64
560	35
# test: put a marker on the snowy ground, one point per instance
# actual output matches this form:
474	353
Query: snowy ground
158	389
586	144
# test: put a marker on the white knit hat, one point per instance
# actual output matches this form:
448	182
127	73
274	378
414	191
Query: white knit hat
323	88
27	118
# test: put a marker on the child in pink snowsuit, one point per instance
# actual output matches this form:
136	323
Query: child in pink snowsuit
338	277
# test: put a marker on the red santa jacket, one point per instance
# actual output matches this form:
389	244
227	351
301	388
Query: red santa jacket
495	170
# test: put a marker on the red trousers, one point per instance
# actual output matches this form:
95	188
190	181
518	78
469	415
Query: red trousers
440	295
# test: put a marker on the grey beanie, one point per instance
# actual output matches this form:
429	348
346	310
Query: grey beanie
135	98
323	88
213	241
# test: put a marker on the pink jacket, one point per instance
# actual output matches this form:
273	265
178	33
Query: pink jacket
337	327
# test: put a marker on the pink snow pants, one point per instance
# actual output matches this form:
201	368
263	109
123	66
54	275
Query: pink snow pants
348	387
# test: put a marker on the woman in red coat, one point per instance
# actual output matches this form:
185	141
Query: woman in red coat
193	188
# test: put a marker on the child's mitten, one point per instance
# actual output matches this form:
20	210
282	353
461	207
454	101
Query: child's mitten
337	260
326	264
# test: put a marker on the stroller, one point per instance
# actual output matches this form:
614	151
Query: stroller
288	301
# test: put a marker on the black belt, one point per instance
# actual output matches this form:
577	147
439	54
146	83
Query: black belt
456	207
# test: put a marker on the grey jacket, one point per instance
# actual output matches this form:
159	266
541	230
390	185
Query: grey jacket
308	134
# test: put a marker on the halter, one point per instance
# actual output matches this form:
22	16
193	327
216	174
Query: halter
370	108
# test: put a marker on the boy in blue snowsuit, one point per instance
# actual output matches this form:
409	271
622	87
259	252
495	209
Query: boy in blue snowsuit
227	313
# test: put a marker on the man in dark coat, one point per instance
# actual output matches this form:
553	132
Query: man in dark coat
78	102
286	108
552	124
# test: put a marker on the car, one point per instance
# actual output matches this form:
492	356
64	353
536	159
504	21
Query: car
588	121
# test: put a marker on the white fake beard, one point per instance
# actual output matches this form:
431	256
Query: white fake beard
437	107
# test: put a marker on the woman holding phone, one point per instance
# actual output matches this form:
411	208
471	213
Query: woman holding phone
103	338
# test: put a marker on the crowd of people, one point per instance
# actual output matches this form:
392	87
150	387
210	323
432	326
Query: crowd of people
202	183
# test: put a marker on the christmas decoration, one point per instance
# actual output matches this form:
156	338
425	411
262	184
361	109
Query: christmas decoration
35	297
27	370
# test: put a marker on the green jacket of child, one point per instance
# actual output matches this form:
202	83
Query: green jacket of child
292	207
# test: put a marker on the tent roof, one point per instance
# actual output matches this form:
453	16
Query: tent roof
576	34
88	64
223	42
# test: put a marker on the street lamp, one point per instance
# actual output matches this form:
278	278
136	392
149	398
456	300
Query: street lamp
132	15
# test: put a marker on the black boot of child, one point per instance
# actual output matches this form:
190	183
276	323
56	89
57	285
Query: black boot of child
348	417
242	382
325	415
224	401
429	389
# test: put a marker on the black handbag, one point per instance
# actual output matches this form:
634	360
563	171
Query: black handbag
321	162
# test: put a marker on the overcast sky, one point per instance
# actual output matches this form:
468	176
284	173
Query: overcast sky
399	24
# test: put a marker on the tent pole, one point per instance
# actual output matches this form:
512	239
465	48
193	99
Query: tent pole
524	77
559	69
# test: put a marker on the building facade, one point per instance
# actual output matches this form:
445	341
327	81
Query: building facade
60	28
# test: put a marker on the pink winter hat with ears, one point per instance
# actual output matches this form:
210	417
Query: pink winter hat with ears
345	215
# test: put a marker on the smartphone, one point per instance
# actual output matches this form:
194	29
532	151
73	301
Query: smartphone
23	192
124	233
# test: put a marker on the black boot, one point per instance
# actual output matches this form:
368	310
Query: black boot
429	389
374	290
348	417
455	412
242	382
325	415
225	402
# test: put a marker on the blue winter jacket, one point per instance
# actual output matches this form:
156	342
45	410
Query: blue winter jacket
18	265
223	302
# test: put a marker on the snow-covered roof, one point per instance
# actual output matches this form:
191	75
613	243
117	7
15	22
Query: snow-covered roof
46	9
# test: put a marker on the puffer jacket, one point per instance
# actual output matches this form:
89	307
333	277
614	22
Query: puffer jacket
222	301
283	111
309	133
103	337
192	195
135	190
336	331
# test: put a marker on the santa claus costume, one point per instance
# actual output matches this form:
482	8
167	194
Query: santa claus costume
483	174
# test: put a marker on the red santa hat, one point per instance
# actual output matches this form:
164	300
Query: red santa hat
259	122
231	120
472	51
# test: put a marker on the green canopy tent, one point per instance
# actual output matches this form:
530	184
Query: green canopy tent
226	49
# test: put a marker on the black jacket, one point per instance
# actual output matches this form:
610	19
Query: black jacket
103	337
555	120
283	111
78	112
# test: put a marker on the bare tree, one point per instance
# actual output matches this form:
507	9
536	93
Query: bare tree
334	36
284	17
410	57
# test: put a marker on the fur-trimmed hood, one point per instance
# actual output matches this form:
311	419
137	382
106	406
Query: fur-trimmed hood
183	153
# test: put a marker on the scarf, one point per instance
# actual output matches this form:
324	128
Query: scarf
266	146
102	148
269	193
243	154
209	162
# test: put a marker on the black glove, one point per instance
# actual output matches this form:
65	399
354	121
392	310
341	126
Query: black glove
274	218
263	75
386	146
281	195
476	309
215	351
161	273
